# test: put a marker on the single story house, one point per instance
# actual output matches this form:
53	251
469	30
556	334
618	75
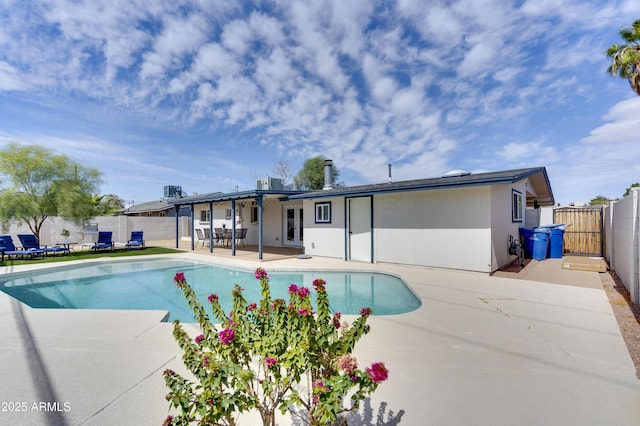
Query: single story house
458	221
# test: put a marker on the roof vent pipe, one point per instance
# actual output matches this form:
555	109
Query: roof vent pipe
389	173
328	165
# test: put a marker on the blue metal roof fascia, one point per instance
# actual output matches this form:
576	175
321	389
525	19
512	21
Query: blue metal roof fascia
243	195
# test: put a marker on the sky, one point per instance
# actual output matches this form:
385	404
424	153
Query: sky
210	95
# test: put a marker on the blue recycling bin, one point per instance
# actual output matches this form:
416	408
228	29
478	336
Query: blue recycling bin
527	237
556	241
536	242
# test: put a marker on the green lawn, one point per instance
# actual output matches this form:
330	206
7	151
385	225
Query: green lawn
79	255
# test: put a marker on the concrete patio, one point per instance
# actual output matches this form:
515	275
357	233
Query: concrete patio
481	350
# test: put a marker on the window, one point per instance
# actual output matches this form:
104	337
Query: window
517	209
323	212
254	213
227	214
205	216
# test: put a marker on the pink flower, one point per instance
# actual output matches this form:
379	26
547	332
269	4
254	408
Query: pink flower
226	336
336	320
347	363
319	284
365	312
303	311
205	360
378	372
167	421
303	292
261	273
270	362
252	307
199	338
212	297
179	277
293	289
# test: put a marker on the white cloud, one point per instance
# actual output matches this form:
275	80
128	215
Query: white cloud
623	125
518	152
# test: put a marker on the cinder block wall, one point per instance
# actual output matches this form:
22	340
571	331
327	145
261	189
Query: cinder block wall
154	228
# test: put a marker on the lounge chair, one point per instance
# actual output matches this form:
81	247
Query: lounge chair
30	242
104	241
9	249
136	240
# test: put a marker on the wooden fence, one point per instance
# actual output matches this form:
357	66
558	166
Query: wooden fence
583	234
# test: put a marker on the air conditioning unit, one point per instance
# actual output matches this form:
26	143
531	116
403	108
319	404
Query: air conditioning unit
269	183
172	191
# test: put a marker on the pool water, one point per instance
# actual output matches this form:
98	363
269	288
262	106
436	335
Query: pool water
148	285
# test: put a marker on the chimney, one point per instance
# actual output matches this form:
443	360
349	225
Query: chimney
389	172
328	175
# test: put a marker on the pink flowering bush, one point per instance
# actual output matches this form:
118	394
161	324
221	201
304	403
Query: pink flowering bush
273	355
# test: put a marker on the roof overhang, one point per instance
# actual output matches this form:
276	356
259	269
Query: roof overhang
541	191
235	196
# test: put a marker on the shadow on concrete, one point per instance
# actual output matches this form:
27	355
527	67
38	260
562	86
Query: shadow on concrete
39	374
362	417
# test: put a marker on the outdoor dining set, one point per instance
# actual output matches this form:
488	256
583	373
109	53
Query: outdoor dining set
221	236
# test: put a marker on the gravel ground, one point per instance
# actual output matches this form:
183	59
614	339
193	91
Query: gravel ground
627	314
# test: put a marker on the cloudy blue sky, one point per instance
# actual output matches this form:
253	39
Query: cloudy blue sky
210	95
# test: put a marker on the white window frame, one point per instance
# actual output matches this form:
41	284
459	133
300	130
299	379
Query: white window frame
517	206
205	216
323	212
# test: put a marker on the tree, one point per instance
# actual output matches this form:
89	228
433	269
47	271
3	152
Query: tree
40	183
625	58
108	204
282	170
628	191
311	177
599	200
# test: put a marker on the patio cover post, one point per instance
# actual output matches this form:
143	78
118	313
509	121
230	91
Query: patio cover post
192	229
259	200
210	226
233	227
178	225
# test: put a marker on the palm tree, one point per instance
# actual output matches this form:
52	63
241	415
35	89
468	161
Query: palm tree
625	58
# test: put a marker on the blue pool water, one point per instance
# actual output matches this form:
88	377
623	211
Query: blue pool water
148	285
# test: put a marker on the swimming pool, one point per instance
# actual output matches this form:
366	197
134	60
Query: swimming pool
148	285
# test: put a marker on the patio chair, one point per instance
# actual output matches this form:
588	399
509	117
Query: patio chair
104	241
200	237
136	240
9	249
30	242
241	236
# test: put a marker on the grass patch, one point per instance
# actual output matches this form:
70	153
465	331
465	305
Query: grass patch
80	255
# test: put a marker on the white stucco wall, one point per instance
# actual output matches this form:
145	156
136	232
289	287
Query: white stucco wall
502	225
462	228
325	239
448	228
